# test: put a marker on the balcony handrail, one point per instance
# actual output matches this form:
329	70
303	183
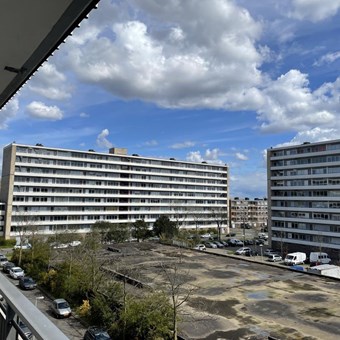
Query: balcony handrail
38	323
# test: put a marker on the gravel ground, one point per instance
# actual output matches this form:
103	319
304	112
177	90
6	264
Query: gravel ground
239	298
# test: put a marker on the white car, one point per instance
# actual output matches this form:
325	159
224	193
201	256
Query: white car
23	246
16	272
200	247
242	251
59	245
275	258
3	260
75	243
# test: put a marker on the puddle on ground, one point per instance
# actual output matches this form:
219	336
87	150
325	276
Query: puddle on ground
260	295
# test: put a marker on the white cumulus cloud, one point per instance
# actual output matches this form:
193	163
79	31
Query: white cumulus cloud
201	54
240	156
314	10
50	83
41	111
8	111
210	156
102	140
289	104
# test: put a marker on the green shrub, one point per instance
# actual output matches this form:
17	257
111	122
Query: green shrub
7	243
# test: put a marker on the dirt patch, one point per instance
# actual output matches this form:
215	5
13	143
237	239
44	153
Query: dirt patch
223	308
310	297
271	308
222	274
319	312
300	286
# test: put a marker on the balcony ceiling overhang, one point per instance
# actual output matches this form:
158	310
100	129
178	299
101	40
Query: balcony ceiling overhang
29	33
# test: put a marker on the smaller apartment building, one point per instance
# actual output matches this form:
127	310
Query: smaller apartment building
63	189
252	212
304	197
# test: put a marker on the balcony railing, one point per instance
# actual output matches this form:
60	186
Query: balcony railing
14	307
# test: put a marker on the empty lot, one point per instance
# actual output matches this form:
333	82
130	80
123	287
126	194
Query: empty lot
238	299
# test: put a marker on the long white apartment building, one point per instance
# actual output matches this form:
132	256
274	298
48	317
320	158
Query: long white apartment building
304	196
62	189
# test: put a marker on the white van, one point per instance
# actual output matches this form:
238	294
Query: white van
316	258
295	258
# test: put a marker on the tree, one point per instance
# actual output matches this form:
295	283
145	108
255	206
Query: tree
220	217
118	232
140	230
146	317
26	227
102	227
176	286
163	226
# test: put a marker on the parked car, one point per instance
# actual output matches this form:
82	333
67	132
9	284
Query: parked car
295	258
200	247
251	252
269	252
210	245
275	258
263	236
23	246
26	282
61	308
59	245
16	272
249	242
259	241
7	266
242	251
75	243
225	243
316	258
3	260
235	242
219	244
96	333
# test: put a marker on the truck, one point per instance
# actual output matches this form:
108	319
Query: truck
295	258
316	258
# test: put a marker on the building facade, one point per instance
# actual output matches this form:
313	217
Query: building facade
55	189
304	196
251	212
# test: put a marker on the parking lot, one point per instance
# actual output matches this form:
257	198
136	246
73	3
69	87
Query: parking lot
237	297
232	296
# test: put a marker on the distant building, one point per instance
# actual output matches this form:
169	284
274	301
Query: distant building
70	189
2	217
304	196
251	212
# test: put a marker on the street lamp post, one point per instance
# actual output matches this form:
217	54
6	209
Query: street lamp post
261	245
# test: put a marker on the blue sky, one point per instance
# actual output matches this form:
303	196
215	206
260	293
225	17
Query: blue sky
199	80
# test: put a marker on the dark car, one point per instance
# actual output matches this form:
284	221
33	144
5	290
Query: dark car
251	252
96	333
7	266
219	244
27	282
259	241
